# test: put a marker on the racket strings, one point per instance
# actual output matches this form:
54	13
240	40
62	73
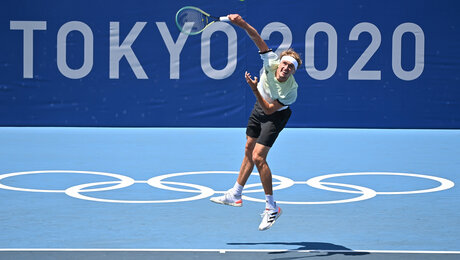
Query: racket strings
198	19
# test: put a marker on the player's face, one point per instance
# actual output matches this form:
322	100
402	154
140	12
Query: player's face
285	69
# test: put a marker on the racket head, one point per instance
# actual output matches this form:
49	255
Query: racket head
191	14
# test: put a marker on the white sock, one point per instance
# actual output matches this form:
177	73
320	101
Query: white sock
237	189
270	202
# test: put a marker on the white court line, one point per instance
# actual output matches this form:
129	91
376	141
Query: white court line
227	250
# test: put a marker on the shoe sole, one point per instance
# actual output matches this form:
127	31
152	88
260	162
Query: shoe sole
277	216
226	203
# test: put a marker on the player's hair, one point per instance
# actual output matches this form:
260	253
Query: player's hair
293	54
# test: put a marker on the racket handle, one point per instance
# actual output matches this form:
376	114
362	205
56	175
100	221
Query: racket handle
224	19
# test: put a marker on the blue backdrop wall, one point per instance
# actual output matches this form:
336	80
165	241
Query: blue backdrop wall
382	64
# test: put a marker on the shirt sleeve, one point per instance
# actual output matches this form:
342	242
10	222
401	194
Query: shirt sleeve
268	58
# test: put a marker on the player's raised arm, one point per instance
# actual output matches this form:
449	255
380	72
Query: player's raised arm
239	21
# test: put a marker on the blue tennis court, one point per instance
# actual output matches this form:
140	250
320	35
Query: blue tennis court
149	188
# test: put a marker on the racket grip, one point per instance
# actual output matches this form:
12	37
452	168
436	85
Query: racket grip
224	19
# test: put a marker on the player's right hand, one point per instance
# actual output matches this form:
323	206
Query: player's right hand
237	20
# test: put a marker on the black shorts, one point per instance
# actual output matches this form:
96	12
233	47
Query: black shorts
266	128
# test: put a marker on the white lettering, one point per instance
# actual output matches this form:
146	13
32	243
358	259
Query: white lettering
310	51
206	50
62	50
174	49
117	51
356	71
28	28
281	28
419	51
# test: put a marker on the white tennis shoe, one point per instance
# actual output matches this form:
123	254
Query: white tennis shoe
269	218
228	199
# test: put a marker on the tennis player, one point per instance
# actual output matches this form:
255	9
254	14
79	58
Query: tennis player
276	90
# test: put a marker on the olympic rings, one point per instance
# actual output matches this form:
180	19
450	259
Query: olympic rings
75	192
204	192
125	180
367	194
156	181
445	184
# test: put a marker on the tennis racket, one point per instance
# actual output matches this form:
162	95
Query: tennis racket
192	20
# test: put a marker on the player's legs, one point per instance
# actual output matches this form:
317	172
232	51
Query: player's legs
270	130
272	212
233	196
259	157
248	164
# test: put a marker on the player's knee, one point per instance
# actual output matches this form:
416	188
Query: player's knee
258	159
248	150
248	155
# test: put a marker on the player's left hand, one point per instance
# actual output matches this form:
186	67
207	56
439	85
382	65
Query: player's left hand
251	82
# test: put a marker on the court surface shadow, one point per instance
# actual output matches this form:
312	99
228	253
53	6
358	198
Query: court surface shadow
322	248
